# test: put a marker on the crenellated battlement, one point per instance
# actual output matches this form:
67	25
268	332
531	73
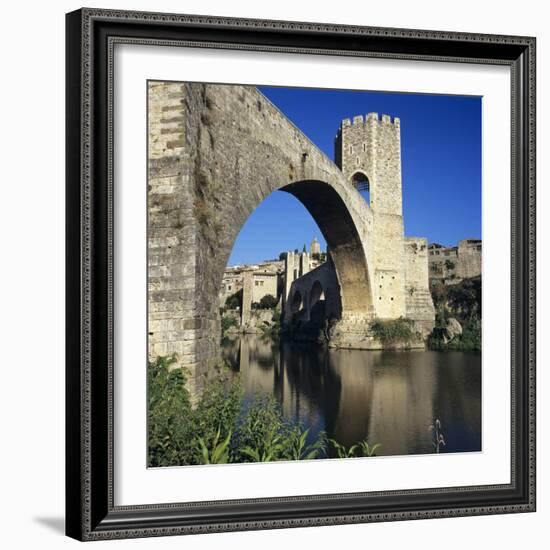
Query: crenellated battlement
369	118
367	149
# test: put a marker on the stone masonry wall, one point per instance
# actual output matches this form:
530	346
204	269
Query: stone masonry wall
172	230
469	259
419	304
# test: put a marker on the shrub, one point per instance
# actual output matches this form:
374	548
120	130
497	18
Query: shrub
273	329
227	322
268	302
393	331
470	339
218	409
169	428
258	438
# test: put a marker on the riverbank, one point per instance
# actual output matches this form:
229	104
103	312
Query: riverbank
458	316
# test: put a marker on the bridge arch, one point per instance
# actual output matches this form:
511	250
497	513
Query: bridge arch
329	210
317	293
215	153
296	302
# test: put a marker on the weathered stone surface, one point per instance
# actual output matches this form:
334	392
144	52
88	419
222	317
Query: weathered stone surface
215	152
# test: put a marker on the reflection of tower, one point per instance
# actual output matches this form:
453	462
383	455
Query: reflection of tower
315	247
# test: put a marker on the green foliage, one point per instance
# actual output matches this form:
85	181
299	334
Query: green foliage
234	301
470	339
228	322
170	433
218	408
273	329
361	448
367	449
268	302
393	331
282	256
179	433
449	264
259	436
341	450
462	301
297	448
218	453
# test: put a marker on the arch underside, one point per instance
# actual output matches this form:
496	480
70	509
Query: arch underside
331	214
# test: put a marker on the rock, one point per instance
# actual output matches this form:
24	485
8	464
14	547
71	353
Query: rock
452	329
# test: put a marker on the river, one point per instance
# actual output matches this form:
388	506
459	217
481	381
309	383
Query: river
388	397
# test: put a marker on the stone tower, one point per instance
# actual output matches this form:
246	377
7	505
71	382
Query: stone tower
368	151
315	247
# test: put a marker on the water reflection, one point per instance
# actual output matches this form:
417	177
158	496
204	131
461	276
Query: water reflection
387	397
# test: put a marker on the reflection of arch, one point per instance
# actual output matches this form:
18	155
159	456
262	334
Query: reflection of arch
296	302
316	293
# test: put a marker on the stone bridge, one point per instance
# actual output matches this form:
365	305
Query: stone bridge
215	153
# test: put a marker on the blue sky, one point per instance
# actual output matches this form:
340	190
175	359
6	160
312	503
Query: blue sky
441	166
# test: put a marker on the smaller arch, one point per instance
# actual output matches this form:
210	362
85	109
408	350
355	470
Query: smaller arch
360	181
317	293
296	302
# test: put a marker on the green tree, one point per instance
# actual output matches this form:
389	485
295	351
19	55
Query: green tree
267	302
234	301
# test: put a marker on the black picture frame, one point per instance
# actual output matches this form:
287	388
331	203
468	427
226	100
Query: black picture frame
90	511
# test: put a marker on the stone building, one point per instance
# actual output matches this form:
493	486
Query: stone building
315	247
265	276
270	277
451	265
